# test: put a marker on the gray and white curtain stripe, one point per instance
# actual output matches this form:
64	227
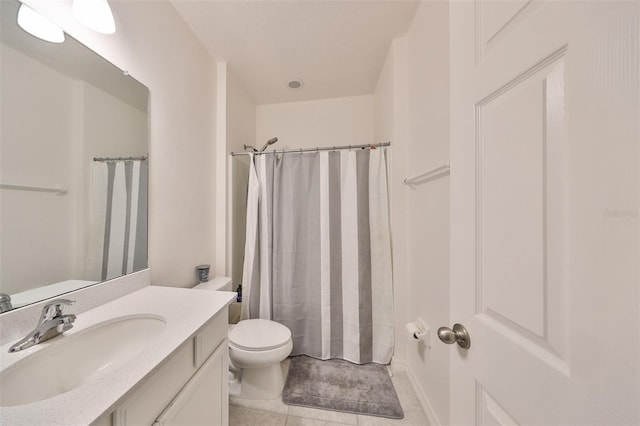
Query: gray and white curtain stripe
117	228
318	252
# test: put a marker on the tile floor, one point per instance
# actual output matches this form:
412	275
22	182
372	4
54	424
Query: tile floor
274	412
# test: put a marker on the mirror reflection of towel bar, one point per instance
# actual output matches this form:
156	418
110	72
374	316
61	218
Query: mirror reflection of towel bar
120	158
58	190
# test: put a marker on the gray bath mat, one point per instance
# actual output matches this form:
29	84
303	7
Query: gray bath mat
341	386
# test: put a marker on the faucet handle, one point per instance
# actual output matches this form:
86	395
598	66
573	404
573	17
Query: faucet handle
54	309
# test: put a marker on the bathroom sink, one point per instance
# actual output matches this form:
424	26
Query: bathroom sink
70	361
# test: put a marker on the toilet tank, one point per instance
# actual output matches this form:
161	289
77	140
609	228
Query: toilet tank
216	284
223	284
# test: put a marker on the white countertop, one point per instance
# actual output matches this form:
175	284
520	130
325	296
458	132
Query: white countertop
185	311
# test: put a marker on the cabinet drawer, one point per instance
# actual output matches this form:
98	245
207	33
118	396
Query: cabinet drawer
210	337
145	405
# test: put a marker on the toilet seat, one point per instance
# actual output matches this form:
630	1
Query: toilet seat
259	335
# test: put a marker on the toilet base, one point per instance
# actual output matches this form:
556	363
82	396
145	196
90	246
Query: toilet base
258	383
234	385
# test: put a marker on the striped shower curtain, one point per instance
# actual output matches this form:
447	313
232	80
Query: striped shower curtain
118	219
318	252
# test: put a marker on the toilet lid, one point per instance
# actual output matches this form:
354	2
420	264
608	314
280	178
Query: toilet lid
259	335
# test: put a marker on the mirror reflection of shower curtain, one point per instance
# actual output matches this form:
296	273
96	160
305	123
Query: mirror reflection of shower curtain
117	243
318	252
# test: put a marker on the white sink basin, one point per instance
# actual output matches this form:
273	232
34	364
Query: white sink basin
69	361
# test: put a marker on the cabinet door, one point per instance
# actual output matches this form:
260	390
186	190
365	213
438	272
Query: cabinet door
149	401
204	400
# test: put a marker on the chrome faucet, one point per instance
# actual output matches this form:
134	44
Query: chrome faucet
5	302
51	323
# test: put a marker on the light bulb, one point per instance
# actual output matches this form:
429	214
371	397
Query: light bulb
95	14
39	26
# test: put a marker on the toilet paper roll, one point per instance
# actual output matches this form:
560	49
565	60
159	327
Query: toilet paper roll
413	331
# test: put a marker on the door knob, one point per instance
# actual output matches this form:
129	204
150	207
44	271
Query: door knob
458	335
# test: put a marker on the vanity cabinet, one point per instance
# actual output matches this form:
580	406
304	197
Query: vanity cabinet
189	388
193	405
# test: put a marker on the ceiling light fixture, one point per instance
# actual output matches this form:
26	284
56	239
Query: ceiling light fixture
39	26
95	14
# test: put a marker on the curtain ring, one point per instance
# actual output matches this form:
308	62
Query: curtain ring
349	147
334	147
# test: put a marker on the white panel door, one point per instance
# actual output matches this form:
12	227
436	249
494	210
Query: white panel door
545	181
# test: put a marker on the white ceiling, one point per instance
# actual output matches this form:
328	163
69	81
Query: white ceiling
337	47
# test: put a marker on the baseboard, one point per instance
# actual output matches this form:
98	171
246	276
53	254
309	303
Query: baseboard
422	398
397	366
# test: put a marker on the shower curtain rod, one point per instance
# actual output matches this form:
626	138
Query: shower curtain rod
316	149
119	158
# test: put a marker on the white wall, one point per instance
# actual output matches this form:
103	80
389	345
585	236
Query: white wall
411	109
154	44
221	198
238	184
428	204
241	114
390	98
320	123
241	129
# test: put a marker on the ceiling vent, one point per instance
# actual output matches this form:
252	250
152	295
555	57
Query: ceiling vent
295	84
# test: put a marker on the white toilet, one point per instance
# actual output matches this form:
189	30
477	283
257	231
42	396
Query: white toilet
256	349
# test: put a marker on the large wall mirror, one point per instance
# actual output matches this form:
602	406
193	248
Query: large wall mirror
73	168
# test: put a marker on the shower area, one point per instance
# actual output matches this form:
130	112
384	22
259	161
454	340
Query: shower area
316	249
309	239
316	257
